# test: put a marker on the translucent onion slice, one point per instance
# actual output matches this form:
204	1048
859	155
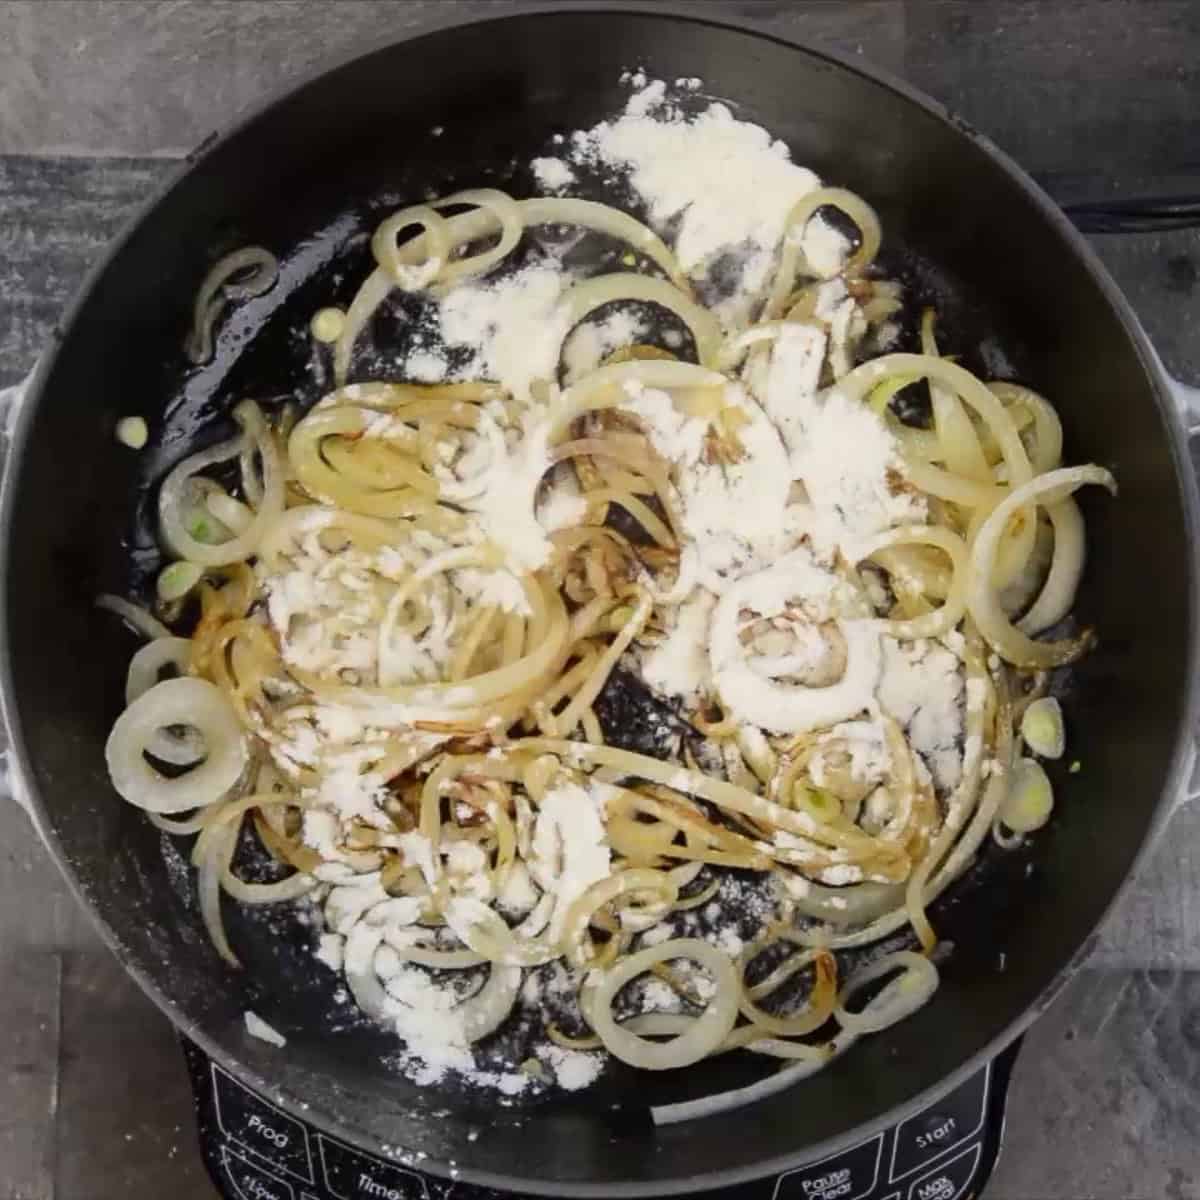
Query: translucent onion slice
359	965
172	497
483	221
1057	596
481	1014
291	888
210	866
347	905
986	404
511	225
982	599
847	202
233	514
817	1006
898	999
147	664
603	218
787	708
409	277
810	1060
1046	452
484	931
1042	728
191	702
484	1013
998	423
1030	799
605	388
591	294
941	620
136	617
959	443
698	1040
218	288
145	669
846	906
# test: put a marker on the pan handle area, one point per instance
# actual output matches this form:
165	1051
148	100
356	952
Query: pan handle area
12	399
1187	401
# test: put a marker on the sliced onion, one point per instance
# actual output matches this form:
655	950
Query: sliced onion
846	906
487	1010
292	888
605	387
603	218
899	999
864	378
480	222
1057	596
484	931
146	665
210	866
428	956
1048	434
812	1059
511	225
854	207
436	244
816	1009
395	913
659	1024
233	514
172	496
1030	799
136	617
192	702
594	293
700	1039
941	620
345	906
218	287
359	965
786	708
982	600
145	669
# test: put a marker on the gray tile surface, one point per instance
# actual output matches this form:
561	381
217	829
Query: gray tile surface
97	99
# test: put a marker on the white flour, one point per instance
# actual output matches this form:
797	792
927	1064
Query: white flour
726	183
515	326
552	174
922	688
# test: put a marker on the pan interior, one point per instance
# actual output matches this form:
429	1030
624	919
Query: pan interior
306	178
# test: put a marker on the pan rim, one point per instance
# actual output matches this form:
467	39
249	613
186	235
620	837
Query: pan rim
672	10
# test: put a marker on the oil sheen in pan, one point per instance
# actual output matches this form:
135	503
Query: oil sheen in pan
264	350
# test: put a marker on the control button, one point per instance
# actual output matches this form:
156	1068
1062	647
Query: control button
249	1182
950	1180
350	1175
846	1176
260	1127
949	1123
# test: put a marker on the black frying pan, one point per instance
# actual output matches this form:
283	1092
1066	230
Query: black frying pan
964	226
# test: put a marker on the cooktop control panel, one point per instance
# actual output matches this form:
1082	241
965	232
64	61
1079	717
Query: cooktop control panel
256	1151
